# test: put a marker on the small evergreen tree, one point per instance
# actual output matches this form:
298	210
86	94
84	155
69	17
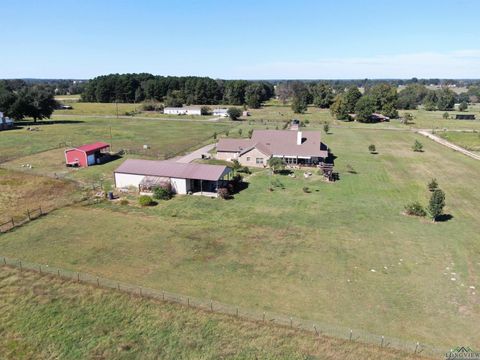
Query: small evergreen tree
463	106
234	113
372	148
417	146
326	128
433	185
445	115
276	164
436	204
215	136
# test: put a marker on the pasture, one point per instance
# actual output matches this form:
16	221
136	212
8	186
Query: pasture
164	137
45	318
341	253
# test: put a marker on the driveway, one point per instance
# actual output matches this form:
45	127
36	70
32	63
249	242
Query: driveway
197	154
446	143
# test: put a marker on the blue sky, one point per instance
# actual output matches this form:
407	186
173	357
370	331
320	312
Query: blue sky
241	39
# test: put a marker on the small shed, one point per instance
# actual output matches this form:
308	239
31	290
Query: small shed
86	155
464	117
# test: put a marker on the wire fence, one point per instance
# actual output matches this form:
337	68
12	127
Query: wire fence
31	214
309	326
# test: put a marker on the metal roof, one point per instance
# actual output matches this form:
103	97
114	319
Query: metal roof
92	147
172	169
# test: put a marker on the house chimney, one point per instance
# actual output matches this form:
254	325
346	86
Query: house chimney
299	138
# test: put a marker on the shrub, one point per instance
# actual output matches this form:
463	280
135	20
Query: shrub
445	115
326	128
205	110
306	190
463	106
432	185
244	170
124	202
162	193
417	146
224	193
372	149
234	113
152	106
145	200
415	209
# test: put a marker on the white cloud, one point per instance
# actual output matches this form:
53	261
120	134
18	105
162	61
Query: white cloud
454	64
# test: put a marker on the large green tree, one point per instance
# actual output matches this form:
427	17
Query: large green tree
323	95
339	108
365	108
385	96
352	95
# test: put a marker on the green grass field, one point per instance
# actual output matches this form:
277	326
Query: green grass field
468	140
46	318
309	255
163	137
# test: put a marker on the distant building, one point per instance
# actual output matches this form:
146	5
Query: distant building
5	122
185	110
464	117
220	112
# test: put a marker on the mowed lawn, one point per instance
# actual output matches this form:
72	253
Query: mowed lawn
162	136
468	140
49	318
342	254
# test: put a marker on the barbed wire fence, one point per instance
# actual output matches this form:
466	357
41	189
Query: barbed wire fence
313	327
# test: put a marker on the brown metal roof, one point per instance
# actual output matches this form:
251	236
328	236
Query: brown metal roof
234	145
173	169
279	143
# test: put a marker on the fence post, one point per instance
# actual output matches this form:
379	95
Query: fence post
416	348
264	316
4	261
21	268
351	334
13	224
141	292
58	273
118	286
315	328
237	312
291	322
188	301
163	295
40	208
383	338
78	277
40	269
211	305
28	214
98	282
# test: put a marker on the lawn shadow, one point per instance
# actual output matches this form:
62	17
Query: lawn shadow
444	218
22	124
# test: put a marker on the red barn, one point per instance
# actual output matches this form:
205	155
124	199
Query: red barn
86	155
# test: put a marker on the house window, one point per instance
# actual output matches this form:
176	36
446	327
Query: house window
248	158
259	160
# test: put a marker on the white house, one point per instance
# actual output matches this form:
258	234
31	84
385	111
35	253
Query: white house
5	122
184	178
220	112
185	110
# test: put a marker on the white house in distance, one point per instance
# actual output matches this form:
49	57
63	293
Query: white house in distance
184	178
185	110
220	112
5	122
294	147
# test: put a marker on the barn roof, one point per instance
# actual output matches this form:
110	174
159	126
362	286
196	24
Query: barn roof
93	147
168	168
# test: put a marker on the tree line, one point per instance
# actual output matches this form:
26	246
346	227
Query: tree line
176	90
19	100
382	98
